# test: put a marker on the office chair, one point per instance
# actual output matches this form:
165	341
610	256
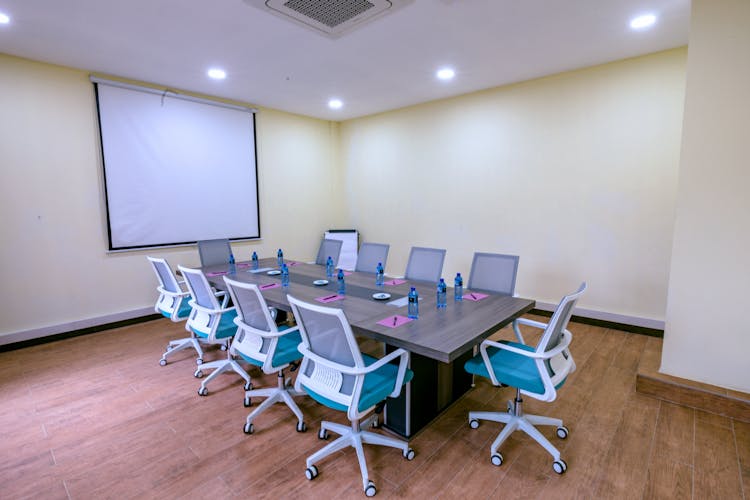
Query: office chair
493	272
369	255
213	322
336	374
534	371
260	342
173	303
425	264
328	248
214	252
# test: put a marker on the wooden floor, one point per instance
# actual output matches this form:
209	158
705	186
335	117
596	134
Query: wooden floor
97	417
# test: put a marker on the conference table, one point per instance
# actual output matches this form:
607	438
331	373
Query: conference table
439	341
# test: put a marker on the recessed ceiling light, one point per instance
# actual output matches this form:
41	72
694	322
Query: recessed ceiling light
4	19
217	74
335	104
642	22
445	73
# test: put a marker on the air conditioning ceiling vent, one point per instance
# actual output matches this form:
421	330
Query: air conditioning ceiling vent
329	17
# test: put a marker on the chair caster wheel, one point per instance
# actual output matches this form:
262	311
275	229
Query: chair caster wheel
311	472
559	466
370	491
474	423
199	361
248	386
198	374
301	427
408	454
247	402
163	362
497	459
323	434
562	432
248	428
203	391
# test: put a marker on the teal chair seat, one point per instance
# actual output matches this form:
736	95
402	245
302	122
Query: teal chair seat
286	350
182	312
377	386
226	327
510	368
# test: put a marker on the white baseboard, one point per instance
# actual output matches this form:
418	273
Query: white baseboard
46	331
605	316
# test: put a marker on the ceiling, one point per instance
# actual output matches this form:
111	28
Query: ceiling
382	65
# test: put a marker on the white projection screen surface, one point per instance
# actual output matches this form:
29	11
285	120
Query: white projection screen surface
176	170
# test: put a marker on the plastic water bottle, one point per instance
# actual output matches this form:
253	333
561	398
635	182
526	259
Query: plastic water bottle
284	275
254	258
458	288
441	293
329	267
342	284
280	257
413	308
379	274
232	267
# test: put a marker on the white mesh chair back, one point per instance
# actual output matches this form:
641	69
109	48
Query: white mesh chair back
171	295
206	312
214	252
328	248
425	264
330	350
561	364
369	255
493	272
254	320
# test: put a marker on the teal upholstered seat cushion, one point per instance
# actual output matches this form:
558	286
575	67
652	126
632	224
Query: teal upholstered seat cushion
226	327
377	386
286	349
510	368
182	312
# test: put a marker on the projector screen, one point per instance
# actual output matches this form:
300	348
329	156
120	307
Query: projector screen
176	169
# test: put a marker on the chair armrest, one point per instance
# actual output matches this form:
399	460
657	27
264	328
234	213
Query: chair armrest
195	306
531	322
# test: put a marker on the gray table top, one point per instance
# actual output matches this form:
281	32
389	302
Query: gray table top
440	334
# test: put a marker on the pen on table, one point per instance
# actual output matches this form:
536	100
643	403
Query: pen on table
330	297
395	318
472	296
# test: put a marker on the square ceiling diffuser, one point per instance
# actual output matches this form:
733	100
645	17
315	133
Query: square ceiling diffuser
329	17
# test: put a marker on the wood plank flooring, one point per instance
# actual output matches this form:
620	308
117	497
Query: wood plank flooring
97	417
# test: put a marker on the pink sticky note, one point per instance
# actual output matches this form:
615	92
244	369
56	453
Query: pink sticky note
475	296
269	286
394	321
347	273
394	282
243	265
218	273
329	298
291	263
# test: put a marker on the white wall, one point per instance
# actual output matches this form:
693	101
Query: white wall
576	173
707	337
56	273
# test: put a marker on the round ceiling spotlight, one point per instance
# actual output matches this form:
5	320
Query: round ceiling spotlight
643	22
216	73
335	104
445	74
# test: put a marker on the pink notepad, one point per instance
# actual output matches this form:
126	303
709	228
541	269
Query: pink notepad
475	296
394	321
217	273
330	298
269	286
394	282
242	265
290	263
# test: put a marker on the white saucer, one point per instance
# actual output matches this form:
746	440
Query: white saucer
320	282
274	272
381	296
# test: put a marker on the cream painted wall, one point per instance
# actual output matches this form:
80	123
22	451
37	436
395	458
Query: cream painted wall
576	173
707	337
52	214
